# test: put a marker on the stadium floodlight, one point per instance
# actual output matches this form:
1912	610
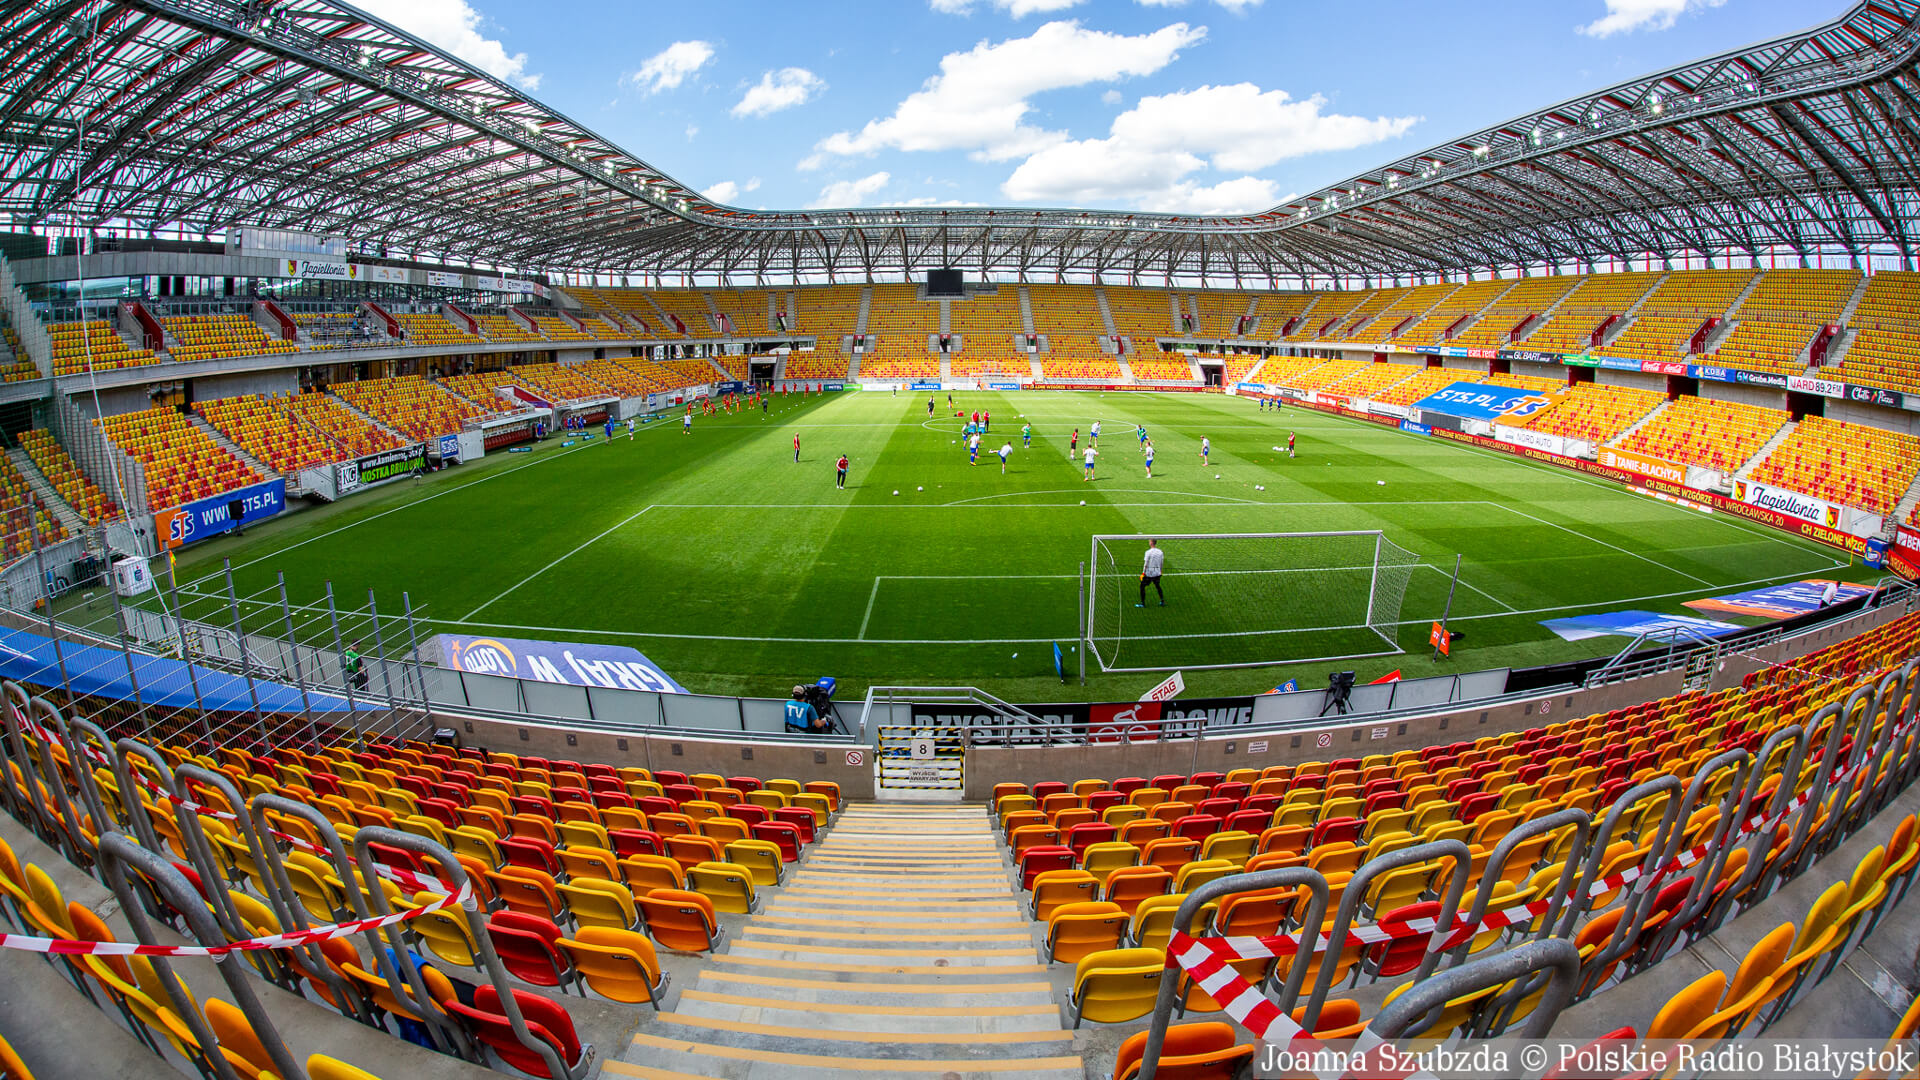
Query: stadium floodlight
1246	599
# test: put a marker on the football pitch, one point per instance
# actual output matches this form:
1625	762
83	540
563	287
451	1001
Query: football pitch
738	570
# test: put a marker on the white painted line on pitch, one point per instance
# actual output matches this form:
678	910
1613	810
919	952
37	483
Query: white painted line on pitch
412	503
1448	574
1603	543
1129	491
871	597
596	539
1594	605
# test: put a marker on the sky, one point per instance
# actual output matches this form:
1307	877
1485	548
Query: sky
1180	106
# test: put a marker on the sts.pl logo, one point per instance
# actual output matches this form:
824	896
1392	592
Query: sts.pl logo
179	528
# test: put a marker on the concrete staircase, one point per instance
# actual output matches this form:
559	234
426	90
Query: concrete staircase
1720	333
853	366
1627	316
866	308
232	447
897	947
1540	320
1106	313
43	490
1904	508
1771	445
1853	301
1476	316
1033	365
1126	369
1621	439
1026	310
946	366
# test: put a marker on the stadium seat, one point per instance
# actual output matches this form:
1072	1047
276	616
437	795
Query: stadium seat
616	964
680	920
545	1020
1116	985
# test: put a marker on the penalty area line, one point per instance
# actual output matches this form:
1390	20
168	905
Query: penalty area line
622	523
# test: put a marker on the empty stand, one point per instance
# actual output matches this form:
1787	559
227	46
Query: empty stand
986	324
182	462
1531	296
1851	464
258	426
898	325
1328	312
1719	435
828	312
1161	367
483	389
818	364
1595	299
689	306
411	405
1372	379
623	380
64	474
92	343
1593	413
1885	349
1145	314
504	328
1462	303
22	515
339	423
204	337
558	382
338	329
433	329
1675	311
1779	319
1068	316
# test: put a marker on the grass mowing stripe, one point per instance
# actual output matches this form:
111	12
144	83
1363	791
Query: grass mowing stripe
617	526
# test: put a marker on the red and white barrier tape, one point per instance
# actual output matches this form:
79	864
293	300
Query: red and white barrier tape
402	876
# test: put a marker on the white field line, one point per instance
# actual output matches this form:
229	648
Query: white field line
622	523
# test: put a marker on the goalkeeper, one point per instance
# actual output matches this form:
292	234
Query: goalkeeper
1150	574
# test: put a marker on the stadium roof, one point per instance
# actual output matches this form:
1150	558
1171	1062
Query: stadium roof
204	115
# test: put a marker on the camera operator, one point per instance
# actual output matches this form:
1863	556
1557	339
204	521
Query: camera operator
802	717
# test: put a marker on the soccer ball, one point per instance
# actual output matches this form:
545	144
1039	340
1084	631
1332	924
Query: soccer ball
1083	502
919	489
1382	483
1216	476
896	491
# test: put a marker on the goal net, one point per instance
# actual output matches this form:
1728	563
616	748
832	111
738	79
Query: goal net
1245	599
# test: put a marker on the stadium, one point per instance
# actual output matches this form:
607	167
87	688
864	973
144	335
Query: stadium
963	641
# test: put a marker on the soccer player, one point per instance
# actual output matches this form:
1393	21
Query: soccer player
1290	437
973	449
1150	573
686	422
1091	454
1141	430
986	421
1073	444
1026	436
840	473
1205	449
629	429
609	429
1149	452
1005	449
1093	434
976	418
929	406
796	448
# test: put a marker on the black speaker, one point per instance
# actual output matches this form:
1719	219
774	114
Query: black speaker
946	283
236	510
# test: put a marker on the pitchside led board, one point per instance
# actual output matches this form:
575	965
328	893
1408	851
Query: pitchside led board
611	667
1483	401
181	525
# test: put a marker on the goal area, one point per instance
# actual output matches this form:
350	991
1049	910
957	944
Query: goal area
1245	599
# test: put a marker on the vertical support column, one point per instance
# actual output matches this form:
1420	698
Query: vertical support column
186	653
299	676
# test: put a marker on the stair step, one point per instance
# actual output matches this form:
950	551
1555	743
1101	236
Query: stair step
756	1032
1043	1018
737	1063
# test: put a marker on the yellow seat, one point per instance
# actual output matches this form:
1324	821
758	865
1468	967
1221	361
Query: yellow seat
1114	986
596	902
1075	930
761	858
728	885
617	964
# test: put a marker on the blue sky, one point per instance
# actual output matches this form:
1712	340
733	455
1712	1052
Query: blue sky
1196	106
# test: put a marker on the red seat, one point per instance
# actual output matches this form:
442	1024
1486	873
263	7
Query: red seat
682	793
1196	826
749	813
530	852
656	804
528	948
1100	800
800	818
1043	857
1253	821
1127	785
546	1021
1081	836
636	842
781	833
1217	806
1334	830
1048	787
1207	779
1232	789
744	783
668	777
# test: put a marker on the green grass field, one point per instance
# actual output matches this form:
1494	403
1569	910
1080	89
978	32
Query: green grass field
739	571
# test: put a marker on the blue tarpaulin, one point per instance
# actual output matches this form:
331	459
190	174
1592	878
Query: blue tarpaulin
30	658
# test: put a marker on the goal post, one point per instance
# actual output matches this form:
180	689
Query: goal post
1244	599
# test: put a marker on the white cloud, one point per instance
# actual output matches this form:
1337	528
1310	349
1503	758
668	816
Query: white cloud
726	191
692	130
670	67
778	90
1625	16
1019	9
1235	6
1111	97
1152	150
978	102
851	192
454	26
929	200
